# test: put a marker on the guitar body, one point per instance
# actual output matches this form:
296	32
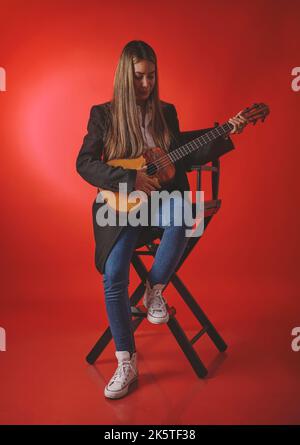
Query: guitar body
159	167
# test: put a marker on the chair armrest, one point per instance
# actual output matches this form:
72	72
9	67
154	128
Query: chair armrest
214	168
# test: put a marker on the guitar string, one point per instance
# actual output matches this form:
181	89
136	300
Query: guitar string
186	149
166	159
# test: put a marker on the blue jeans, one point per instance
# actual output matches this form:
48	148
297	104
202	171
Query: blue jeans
117	265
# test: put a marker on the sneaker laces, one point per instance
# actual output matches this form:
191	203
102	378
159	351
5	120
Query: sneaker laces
122	370
157	302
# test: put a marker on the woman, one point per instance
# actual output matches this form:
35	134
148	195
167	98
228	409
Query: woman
134	120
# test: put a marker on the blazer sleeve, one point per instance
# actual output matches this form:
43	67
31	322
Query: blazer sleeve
208	152
89	164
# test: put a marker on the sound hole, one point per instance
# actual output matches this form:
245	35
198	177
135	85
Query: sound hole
151	169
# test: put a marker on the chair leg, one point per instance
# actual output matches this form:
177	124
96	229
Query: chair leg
199	314
136	323
99	347
176	329
137	294
190	301
139	267
187	347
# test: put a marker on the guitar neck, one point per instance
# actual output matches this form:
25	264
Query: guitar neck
200	142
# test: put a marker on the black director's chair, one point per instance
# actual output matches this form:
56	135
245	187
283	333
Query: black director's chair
149	247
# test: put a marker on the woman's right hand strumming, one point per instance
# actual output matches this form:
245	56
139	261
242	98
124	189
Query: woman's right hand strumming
144	182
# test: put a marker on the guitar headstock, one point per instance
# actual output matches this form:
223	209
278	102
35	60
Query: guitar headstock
256	112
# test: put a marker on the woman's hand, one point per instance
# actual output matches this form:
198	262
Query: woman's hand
238	122
145	183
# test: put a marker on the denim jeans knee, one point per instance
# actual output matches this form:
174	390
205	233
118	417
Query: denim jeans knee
171	211
114	288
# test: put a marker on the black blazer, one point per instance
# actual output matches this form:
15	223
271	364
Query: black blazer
92	169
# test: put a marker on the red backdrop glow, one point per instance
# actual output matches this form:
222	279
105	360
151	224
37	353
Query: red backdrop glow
214	59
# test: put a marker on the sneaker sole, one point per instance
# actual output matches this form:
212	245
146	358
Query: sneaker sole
118	394
157	320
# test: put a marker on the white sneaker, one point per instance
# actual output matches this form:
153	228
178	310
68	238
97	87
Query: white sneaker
125	374
155	303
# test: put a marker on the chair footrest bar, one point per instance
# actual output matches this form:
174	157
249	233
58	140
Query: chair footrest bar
138	311
197	336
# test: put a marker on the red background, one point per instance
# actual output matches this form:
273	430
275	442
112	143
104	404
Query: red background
214	59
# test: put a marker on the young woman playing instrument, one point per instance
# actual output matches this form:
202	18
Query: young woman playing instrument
126	127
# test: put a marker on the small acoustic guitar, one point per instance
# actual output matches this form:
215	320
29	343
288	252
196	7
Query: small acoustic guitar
160	164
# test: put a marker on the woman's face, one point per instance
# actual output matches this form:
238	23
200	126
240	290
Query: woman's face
144	80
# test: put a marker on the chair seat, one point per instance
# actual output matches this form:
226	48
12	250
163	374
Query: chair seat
148	236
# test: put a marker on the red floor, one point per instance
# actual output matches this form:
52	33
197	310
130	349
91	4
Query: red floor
45	380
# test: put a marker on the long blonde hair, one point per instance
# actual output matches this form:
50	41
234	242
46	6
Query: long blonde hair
124	138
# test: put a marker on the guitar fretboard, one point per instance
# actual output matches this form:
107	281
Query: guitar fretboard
199	142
